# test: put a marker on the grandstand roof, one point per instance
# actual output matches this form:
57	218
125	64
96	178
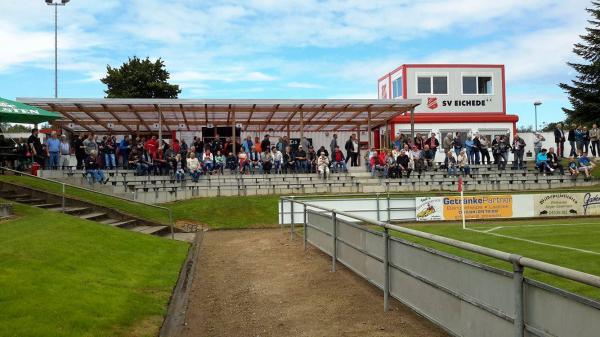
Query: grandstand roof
127	115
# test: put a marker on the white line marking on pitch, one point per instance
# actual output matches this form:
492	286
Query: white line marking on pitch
493	229
537	242
487	229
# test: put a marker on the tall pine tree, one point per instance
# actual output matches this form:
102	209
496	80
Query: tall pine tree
584	92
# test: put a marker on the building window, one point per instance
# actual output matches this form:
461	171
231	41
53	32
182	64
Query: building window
477	85
432	85
397	88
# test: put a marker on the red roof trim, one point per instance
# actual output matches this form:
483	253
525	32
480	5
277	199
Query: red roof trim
458	118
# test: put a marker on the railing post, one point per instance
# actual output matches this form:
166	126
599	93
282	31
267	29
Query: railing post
305	235
171	224
389	215
292	222
386	270
281	211
63	198
334	242
519	324
378	210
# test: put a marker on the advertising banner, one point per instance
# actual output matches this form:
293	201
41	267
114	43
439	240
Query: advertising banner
479	207
508	206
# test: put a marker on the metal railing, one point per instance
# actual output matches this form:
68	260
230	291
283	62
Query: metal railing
330	231
64	195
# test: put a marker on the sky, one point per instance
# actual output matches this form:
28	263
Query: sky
291	48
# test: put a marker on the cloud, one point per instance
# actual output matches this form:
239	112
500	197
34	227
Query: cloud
222	75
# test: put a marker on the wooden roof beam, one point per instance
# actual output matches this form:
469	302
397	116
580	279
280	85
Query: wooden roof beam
140	119
184	116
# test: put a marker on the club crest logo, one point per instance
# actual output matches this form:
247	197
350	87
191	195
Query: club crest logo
432	103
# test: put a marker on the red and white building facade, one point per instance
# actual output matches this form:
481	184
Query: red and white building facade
465	98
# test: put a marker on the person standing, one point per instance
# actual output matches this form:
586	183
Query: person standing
484	145
90	145
355	151
571	139
65	152
518	151
79	151
332	145
265	144
433	144
559	139
348	148
53	151
537	143
124	150
595	140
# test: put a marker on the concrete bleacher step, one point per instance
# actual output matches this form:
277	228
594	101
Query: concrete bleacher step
46	205
93	216
108	221
149	229
124	224
71	210
30	200
17	196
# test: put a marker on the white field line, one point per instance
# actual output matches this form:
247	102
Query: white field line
536	242
487	229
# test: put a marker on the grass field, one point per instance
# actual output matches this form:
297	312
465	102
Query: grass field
64	276
571	243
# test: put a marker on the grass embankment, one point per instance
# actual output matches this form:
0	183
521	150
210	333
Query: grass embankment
64	276
218	212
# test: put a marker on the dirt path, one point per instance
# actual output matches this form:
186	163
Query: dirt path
259	283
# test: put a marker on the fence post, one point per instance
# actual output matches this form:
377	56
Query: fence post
378	210
281	205
518	288
292	223
304	227
334	236
386	270
389	216
63	198
171	224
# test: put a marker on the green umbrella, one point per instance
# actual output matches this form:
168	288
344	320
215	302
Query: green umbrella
15	112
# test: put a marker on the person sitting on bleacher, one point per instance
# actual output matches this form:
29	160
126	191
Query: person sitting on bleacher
376	164
92	169
255	163
463	162
323	165
267	161
451	163
231	162
339	163
311	159
243	162
573	169
178	164
220	161
541	162
207	160
288	160
277	159
143	163
300	159
161	163
428	157
194	167
403	164
390	165
554	161
417	157
585	165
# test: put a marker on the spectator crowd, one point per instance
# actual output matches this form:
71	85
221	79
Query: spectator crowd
216	155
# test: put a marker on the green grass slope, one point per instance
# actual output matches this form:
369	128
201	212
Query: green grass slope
63	276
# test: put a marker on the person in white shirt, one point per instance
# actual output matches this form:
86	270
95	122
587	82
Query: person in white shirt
277	159
194	167
323	165
65	152
208	160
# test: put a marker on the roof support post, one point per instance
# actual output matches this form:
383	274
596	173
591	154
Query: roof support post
412	125
302	125
233	131
358	139
369	127
159	125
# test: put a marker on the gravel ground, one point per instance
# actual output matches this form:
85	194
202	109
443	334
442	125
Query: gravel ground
259	283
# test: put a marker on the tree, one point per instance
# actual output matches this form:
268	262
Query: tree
139	79
584	92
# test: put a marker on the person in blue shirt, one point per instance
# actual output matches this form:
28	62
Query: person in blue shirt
124	150
53	148
585	165
541	162
573	167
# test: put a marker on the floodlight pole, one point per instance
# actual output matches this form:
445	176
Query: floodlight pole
535	106
56	4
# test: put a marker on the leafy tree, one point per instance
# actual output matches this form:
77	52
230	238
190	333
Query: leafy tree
15	128
139	79
584	92
523	129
